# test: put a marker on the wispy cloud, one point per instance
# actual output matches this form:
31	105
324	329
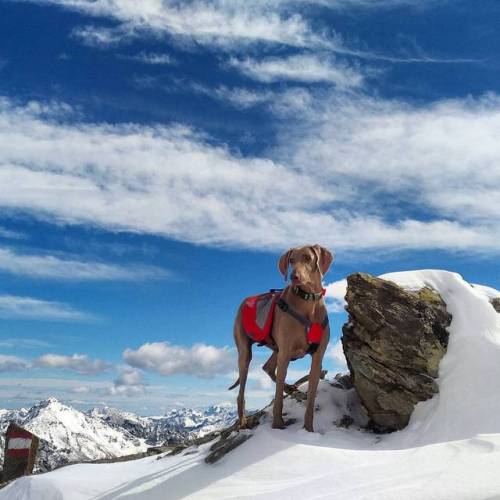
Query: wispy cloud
200	360
153	58
79	363
12	363
440	158
52	267
224	24
308	68
24	343
232	25
13	235
340	158
282	103
15	307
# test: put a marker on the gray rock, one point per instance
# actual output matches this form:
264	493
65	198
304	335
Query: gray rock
393	344
342	381
496	304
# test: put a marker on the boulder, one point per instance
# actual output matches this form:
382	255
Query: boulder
393	343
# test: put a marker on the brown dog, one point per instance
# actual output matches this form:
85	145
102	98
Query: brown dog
288	336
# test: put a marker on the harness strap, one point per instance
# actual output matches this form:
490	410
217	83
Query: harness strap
299	317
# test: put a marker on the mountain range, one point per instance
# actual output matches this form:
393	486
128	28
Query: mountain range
68	435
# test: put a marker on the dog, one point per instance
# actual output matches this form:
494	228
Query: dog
301	300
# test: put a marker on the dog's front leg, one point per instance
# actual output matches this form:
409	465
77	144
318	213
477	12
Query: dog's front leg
312	388
283	360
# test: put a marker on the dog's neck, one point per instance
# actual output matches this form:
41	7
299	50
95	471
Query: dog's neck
309	308
307	295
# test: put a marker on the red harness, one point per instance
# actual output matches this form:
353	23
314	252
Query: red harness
258	315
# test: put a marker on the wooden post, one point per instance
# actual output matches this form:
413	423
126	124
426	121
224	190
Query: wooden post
21	447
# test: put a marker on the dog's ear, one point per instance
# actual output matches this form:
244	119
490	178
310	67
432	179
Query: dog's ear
283	263
324	258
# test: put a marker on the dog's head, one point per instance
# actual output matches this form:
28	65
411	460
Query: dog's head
308	263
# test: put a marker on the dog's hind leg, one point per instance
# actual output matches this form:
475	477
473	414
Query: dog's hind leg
270	366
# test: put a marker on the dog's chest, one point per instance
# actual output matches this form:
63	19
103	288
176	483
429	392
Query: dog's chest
290	335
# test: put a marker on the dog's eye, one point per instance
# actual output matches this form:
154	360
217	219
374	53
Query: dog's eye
307	258
292	261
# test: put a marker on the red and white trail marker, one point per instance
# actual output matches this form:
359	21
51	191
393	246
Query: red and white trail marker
20	452
19	443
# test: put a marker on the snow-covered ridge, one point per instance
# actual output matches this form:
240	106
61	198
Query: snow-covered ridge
68	435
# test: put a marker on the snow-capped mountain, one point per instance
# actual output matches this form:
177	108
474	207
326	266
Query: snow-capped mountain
68	435
182	424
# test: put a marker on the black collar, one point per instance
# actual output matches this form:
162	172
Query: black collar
307	295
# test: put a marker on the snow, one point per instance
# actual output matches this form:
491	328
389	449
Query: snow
450	449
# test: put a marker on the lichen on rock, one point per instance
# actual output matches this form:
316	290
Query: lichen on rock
393	343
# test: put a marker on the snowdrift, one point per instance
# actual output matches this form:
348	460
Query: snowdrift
450	449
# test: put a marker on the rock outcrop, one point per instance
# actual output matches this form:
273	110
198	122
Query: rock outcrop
496	304
393	343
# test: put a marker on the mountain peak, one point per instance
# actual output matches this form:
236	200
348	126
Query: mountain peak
50	401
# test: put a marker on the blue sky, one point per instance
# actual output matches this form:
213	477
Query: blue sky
156	158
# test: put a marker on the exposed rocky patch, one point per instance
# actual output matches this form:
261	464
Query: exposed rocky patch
393	344
496	304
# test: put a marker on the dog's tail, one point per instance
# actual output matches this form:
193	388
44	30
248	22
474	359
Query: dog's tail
236	384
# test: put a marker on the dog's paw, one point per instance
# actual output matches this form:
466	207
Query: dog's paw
242	424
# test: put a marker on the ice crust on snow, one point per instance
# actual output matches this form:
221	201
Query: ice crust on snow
450	449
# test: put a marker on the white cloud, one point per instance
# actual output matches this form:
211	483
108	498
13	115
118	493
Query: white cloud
129	383
79	363
153	58
240	97
440	160
52	267
301	68
163	180
227	24
283	103
12	363
334	296
8	233
24	343
164	358
16	307
340	177
369	4
336	354
81	389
